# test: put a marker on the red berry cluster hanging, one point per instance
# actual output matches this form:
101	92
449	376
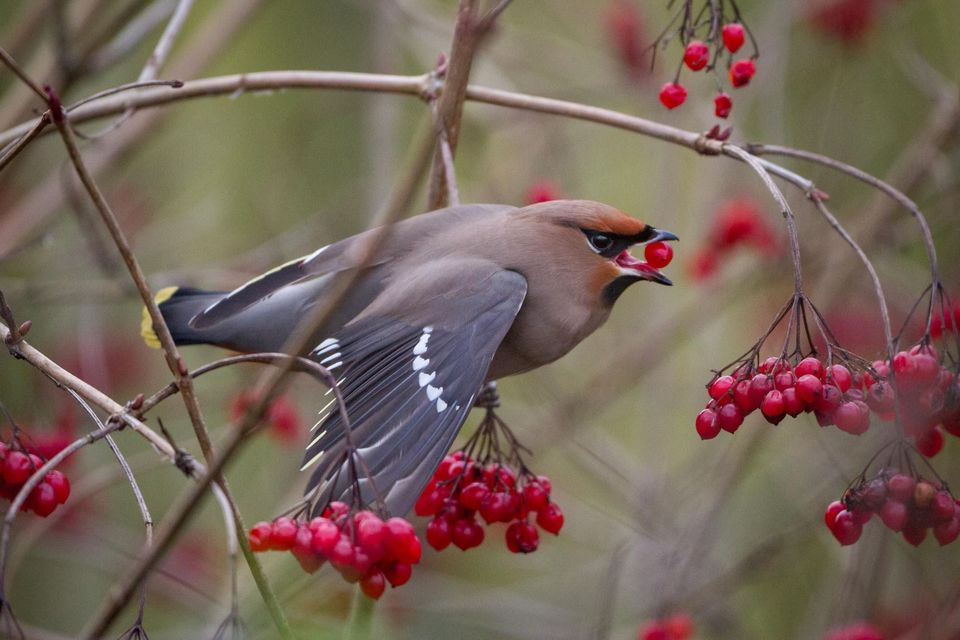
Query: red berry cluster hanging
904	502
360	545
484	482
16	467
917	389
722	37
676	627
463	488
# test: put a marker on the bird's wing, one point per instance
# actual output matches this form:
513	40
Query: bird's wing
409	379
312	273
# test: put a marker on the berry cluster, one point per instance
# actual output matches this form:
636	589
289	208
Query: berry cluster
915	387
779	389
676	627
16	467
738	224
922	392
463	488
904	503
697	56
361	546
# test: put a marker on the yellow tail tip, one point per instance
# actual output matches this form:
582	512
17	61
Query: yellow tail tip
146	324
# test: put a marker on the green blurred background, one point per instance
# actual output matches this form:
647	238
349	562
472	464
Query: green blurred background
213	191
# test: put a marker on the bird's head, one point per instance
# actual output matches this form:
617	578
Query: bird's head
595	239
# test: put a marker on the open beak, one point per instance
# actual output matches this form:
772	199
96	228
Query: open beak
631	266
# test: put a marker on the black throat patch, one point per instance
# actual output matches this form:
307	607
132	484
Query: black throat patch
613	290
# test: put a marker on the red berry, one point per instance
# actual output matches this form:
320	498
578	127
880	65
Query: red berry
809	366
881	397
473	494
439	534
672	95
741	72
403	545
722	105
60	484
534	495
719	387
707	426
373	584
259	536
931	442
325	535
430	500
773	407
942	507
729	418
17	468
658	254
947	532
846	529
760	385
696	55
467	533
792	403
809	389
371	535
42	500
733	36
522	537
550	518
848	417
397	573
283	533
833	509
914	533
839	376
743	398
679	626
655	631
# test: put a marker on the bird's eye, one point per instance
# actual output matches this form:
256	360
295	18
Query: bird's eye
600	241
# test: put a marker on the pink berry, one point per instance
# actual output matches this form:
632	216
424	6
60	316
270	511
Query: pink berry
901	487
658	254
672	95
733	36
283	534
259	536
373	584
741	72
324	535
809	366
839	376
947	532
894	514
696	55
722	105
848	418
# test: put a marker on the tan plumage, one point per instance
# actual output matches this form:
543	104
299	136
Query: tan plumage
453	298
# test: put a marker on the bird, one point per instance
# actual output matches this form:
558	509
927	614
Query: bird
450	300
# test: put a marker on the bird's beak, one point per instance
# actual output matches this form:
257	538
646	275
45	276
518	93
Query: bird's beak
631	266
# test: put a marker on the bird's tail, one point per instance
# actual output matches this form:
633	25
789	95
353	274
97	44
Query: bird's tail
178	306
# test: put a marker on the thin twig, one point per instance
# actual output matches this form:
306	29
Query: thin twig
15	148
162	50
8	60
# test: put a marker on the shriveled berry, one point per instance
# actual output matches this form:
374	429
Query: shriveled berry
658	254
696	55
722	105
733	36
741	72
672	95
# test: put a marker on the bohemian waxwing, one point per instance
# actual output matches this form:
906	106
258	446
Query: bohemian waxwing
452	299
